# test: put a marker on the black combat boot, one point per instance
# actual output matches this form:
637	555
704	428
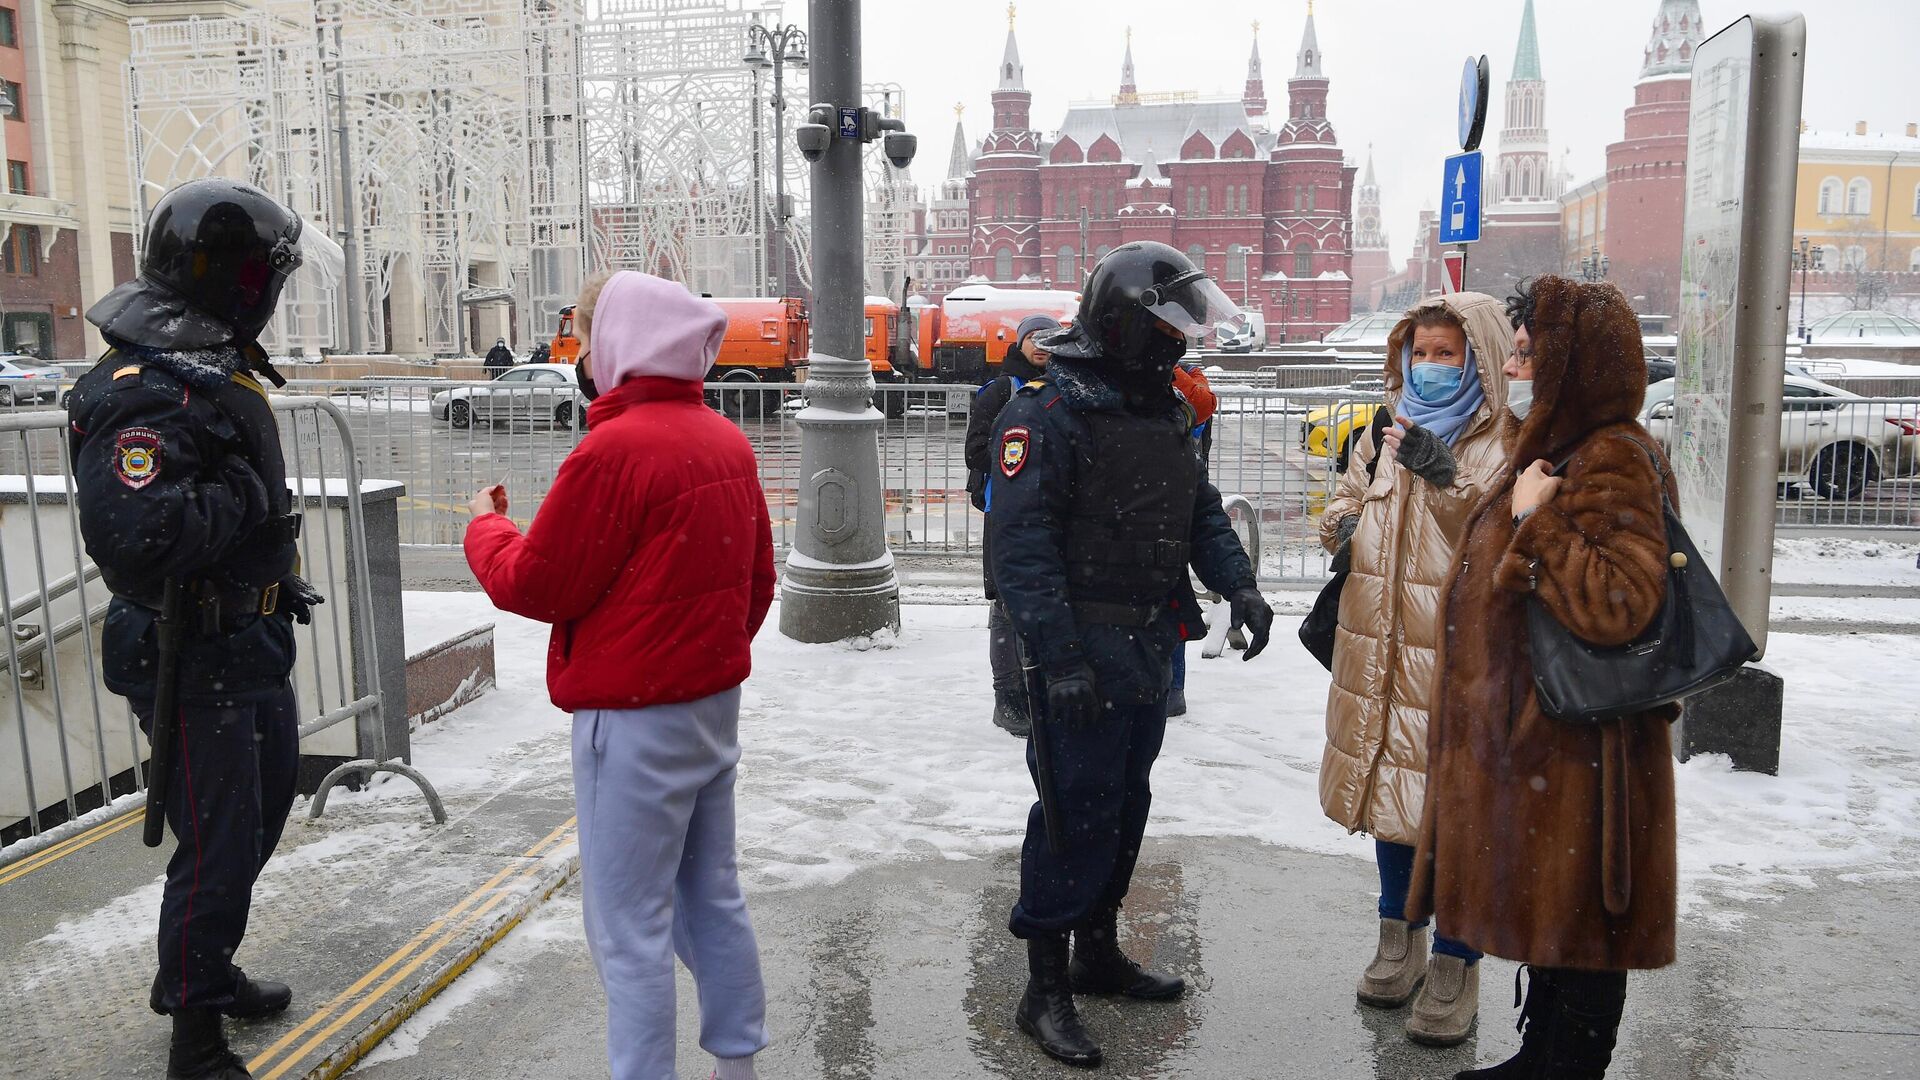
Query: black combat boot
257	1000
1046	1010
200	1051
1586	1019
1010	711
1176	702
1099	967
1535	1026
251	1000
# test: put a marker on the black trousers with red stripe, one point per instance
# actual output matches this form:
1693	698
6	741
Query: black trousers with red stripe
234	768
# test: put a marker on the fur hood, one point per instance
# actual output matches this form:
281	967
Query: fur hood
1589	367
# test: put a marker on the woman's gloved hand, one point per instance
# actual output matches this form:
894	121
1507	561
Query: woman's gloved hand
1424	454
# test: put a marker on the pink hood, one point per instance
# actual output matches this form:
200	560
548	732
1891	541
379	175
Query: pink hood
644	325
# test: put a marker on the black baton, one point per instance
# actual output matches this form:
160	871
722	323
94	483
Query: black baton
166	710
1042	756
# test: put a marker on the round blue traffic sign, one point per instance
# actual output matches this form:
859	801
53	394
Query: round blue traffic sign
1473	101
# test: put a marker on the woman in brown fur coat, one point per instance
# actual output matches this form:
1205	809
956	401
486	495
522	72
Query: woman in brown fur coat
1542	841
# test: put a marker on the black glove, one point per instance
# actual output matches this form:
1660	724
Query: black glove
298	598
1343	543
1249	609
1071	697
1427	456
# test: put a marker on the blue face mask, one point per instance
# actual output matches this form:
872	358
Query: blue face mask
1435	382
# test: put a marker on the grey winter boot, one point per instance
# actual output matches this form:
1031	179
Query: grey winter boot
1399	963
1448	1002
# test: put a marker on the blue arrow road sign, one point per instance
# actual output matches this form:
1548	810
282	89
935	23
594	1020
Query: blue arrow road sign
1460	200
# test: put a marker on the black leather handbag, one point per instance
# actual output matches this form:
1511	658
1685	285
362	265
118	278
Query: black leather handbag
1322	624
1694	643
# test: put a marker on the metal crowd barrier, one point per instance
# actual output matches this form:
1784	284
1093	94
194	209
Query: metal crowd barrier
77	748
447	439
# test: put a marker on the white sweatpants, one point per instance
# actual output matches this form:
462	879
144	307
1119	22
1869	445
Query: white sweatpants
654	792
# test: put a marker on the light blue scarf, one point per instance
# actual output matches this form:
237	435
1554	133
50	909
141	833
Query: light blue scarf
1449	418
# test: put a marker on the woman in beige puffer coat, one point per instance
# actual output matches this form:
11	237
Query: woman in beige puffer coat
1443	453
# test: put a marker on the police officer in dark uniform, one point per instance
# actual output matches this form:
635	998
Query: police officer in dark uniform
177	461
1099	507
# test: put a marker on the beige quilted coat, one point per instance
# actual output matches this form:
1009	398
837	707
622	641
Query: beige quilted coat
1373	773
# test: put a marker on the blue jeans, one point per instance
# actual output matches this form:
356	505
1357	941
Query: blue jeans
1180	667
1396	874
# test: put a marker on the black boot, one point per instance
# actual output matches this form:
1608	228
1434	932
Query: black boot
1046	1010
1010	711
199	1050
257	1000
1535	1026
251	1000
1586	1020
1099	967
1177	702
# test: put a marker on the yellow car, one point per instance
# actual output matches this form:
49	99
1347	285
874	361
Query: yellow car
1328	431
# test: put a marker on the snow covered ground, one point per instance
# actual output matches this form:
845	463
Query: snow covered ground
881	750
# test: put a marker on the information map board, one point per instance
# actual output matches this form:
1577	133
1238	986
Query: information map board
1742	157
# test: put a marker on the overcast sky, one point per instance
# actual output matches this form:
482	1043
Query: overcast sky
1394	65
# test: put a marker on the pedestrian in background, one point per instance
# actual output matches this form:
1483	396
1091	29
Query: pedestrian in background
652	557
1401	520
499	358
1024	363
1543	841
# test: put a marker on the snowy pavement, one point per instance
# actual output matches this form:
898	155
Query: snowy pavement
856	755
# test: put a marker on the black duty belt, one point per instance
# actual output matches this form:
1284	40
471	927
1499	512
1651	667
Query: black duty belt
1096	611
1131	552
224	607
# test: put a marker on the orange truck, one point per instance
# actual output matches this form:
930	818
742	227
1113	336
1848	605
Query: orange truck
968	334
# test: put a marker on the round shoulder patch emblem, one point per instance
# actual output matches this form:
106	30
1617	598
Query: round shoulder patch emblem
136	453
1014	451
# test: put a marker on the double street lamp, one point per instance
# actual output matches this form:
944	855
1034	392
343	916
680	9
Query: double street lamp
1803	256
1593	267
774	50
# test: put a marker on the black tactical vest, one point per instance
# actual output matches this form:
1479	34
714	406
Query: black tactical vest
1129	526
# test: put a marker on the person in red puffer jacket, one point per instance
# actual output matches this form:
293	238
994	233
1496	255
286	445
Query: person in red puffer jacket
653	559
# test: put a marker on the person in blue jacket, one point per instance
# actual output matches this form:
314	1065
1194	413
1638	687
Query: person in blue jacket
1100	506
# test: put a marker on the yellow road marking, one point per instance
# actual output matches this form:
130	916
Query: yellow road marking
70	845
432	929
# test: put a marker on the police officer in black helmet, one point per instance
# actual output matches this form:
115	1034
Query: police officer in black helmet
1099	508
177	462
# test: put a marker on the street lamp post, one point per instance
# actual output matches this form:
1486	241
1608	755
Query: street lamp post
1594	266
775	49
1806	257
839	580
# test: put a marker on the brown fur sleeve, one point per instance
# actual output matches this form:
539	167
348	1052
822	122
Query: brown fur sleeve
1598	550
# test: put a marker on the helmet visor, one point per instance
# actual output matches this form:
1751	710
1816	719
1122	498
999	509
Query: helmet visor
317	261
1191	304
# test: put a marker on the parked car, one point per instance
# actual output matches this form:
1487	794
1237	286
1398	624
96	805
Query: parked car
1659	368
28	380
1328	431
532	392
1831	440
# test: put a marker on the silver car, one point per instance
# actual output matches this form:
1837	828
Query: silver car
1834	441
539	393
28	380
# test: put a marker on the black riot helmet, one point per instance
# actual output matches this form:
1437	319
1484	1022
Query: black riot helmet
216	255
1140	304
